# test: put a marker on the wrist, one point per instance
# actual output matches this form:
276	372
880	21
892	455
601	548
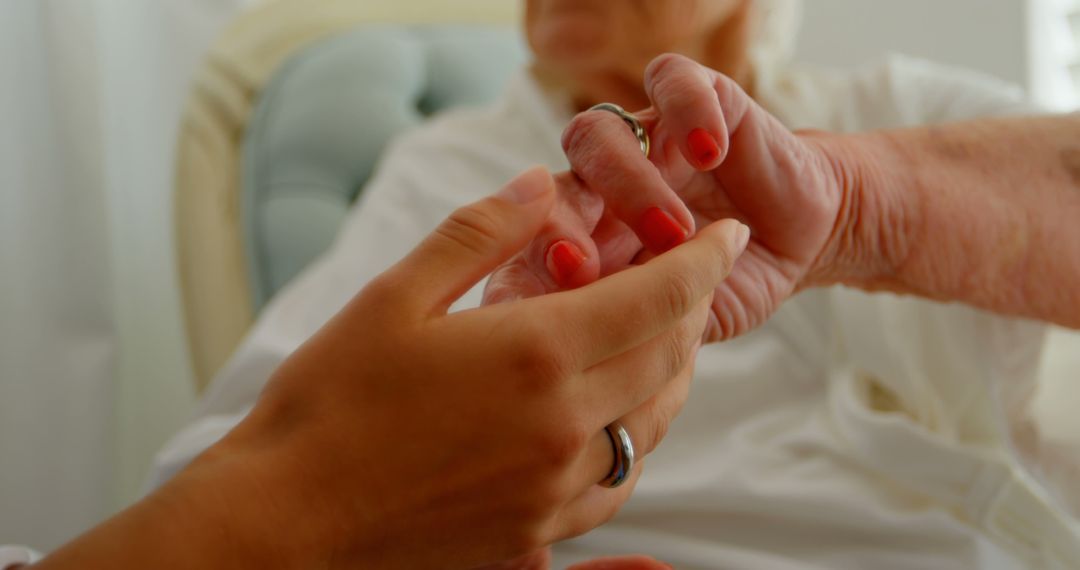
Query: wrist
228	505
270	506
879	218
292	509
200	519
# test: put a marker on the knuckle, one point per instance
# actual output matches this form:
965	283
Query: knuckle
661	66
595	143
546	499
671	80
721	324
725	258
541	372
659	422
678	91
735	102
726	88
677	349
562	445
382	292
540	363
679	293
527	538
592	144
582	130
472	227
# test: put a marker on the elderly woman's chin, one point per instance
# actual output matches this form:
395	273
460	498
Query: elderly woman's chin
572	45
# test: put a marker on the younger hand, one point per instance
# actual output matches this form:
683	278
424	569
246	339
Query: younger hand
401	436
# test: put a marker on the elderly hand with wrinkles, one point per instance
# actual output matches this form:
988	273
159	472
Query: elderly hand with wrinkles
715	154
950	213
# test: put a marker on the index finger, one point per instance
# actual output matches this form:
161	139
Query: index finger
627	309
606	156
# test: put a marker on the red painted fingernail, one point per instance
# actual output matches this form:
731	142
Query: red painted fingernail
563	260
660	231
703	146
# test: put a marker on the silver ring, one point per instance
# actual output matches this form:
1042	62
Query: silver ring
624	455
635	125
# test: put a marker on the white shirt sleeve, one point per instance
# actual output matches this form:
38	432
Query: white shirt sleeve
956	94
13	556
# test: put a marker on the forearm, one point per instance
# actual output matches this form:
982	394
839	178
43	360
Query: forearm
985	213
216	514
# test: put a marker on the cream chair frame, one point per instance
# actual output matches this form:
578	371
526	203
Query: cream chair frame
216	294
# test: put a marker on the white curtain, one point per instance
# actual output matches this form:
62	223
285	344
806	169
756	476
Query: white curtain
93	371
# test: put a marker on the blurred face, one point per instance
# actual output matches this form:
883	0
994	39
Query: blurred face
622	36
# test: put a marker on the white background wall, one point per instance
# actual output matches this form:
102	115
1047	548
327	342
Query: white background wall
1023	41
984	34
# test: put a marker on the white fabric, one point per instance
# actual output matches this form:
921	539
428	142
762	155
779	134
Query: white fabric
10	556
778	26
848	432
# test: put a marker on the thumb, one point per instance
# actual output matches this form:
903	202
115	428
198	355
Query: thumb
476	239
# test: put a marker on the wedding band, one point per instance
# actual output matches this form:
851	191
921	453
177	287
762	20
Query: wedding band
635	125
623	447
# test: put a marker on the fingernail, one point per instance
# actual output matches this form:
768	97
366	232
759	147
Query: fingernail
563	260
660	231
527	187
703	146
742	238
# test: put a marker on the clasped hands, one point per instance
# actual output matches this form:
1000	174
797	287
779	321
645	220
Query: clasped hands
716	155
404	436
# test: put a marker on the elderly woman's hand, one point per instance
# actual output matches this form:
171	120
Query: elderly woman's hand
715	154
400	436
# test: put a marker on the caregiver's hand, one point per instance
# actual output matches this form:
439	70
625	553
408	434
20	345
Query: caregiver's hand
715	154
400	436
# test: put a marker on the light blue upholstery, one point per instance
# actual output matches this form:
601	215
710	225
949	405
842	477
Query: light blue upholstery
324	119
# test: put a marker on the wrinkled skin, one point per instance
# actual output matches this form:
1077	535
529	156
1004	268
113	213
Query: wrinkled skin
781	184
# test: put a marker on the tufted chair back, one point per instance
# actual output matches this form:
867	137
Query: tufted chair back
286	120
